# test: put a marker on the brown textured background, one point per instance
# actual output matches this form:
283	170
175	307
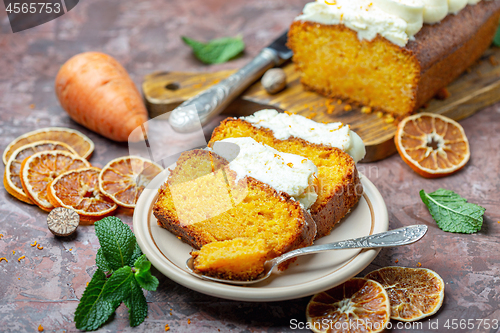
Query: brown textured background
144	36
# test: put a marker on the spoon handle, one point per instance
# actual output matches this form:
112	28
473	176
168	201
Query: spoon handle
396	237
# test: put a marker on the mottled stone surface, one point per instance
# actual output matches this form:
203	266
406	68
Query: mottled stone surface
45	287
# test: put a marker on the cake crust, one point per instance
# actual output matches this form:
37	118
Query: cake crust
446	50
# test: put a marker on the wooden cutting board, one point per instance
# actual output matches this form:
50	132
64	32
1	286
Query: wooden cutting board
476	89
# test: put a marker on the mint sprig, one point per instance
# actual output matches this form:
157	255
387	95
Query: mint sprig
453	213
216	51
122	271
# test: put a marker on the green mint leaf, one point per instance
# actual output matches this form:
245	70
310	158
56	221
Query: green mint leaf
136	304
89	299
496	39
117	241
102	302
216	51
135	255
101	261
117	288
143	274
453	213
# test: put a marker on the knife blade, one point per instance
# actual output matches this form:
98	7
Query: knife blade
200	109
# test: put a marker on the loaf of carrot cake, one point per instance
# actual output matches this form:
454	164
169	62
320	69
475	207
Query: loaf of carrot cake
334	148
392	55
239	192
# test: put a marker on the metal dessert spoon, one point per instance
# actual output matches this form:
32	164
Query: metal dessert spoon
396	237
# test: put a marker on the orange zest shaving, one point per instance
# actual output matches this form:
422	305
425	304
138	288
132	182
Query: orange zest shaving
34	244
1	235
189	321
366	109
167	328
39	246
21	258
40	328
419	264
3	258
13	252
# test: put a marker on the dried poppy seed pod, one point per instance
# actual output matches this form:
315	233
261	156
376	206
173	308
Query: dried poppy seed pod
274	80
63	221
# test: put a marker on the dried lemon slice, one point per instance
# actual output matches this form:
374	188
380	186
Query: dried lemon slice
414	293
432	145
79	190
123	179
79	142
358	305
12	174
38	170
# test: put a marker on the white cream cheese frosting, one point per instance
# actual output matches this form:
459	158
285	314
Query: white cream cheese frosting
289	173
396	20
435	10
286	125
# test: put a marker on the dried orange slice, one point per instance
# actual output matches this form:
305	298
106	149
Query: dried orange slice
414	293
432	145
12	174
38	170
123	179
358	305
76	140
79	190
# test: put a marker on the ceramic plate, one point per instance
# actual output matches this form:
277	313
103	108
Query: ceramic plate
307	276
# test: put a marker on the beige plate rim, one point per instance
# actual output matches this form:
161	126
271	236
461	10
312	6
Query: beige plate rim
306	283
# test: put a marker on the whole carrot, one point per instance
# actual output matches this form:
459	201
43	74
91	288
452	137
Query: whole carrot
97	92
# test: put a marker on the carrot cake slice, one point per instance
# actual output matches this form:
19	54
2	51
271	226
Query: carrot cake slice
239	195
334	149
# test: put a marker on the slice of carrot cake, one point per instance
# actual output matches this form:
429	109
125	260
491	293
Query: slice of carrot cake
241	192
334	148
